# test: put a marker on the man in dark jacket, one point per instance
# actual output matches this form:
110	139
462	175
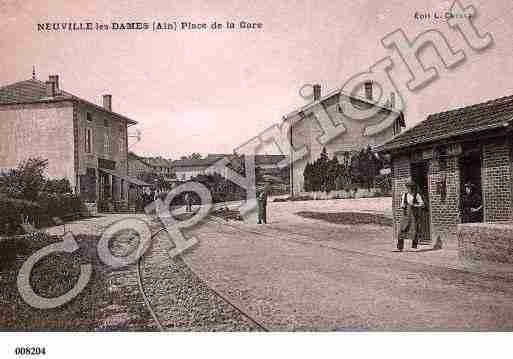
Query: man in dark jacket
471	205
262	204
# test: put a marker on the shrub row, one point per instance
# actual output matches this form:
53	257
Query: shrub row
15	211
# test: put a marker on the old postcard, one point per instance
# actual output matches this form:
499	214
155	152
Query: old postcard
230	166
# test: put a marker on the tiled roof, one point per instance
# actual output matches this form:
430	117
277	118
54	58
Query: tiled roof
203	162
484	116
213	158
30	91
26	91
268	159
152	161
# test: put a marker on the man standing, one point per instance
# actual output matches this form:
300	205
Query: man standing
188	202
262	204
411	203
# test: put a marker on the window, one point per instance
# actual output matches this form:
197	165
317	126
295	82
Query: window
106	123
106	143
88	140
89	117
121	145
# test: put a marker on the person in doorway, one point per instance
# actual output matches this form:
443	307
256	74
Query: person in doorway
411	203
471	205
188	202
262	204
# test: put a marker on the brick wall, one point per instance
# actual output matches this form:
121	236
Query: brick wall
487	242
497	181
401	175
445	213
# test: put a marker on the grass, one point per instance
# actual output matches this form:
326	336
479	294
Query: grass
352	218
53	276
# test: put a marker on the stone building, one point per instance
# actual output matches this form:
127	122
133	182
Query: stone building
83	142
306	130
449	149
158	165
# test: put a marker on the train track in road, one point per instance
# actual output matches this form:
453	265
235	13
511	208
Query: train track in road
153	311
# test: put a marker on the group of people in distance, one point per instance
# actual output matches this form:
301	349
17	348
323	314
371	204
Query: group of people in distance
412	205
261	198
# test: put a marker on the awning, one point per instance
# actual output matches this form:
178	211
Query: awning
129	179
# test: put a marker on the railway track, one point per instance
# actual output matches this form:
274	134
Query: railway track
154	311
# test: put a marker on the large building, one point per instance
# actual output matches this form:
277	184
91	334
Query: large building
447	150
83	142
306	130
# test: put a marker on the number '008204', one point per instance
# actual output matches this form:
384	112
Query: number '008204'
30	351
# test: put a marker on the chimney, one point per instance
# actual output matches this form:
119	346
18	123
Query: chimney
317	92
107	102
392	99
368	90
55	80
50	88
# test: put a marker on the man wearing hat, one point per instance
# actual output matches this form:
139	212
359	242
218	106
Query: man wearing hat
411	203
471	205
262	204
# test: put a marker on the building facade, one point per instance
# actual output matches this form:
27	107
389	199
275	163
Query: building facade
83	142
305	129
446	151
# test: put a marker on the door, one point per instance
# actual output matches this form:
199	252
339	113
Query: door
419	174
470	170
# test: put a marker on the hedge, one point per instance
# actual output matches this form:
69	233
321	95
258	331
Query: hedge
14	211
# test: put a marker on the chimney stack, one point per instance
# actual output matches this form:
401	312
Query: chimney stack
317	92
107	102
50	88
368	90
55	80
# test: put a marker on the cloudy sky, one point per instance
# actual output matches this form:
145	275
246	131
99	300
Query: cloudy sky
208	92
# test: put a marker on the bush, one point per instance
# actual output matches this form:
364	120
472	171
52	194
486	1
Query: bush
14	212
58	205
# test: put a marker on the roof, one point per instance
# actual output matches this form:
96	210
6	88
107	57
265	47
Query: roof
268	159
213	158
34	91
471	119
203	162
337	92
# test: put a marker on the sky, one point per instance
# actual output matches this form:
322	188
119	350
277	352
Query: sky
211	91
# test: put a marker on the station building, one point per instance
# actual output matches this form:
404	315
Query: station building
448	149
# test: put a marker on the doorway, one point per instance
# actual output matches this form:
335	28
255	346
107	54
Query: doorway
470	172
419	174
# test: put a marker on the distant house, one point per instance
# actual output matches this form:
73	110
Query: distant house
158	165
448	149
185	169
305	129
83	142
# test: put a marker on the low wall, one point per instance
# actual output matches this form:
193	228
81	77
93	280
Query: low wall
486	244
342	194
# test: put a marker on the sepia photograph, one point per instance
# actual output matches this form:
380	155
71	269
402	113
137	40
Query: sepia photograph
277	173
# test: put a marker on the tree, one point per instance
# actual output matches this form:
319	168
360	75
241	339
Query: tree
26	181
